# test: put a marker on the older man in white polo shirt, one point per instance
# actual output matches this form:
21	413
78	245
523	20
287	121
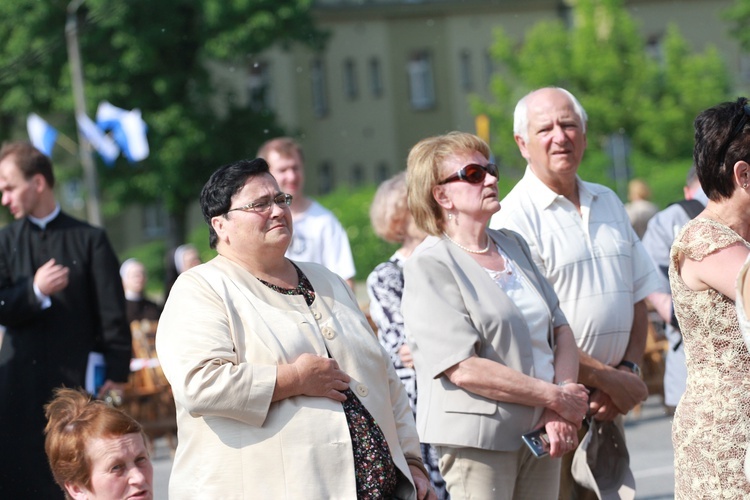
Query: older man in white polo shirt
581	239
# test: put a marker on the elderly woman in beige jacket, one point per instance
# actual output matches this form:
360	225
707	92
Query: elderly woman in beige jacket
282	390
494	354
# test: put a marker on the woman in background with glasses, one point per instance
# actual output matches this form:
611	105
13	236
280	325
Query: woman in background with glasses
494	354
281	388
712	421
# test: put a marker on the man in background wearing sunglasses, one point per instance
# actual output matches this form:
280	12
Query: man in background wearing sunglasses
318	235
581	239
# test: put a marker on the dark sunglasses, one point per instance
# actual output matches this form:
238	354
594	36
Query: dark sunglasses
473	174
735	132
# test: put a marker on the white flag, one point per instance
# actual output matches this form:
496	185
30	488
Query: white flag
41	134
127	127
104	144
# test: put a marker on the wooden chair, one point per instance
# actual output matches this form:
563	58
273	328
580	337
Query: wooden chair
149	398
654	356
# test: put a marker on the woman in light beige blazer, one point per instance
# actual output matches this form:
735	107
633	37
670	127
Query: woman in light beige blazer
281	388
494	354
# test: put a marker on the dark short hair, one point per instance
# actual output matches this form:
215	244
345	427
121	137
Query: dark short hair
714	159
228	180
29	160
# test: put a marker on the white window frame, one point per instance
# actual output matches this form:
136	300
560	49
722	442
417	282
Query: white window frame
376	77
319	90
351	85
421	80
259	88
465	70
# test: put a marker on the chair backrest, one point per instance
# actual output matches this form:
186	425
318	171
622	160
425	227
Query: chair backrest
149	375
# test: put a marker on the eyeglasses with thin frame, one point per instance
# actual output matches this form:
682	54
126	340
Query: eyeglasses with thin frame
735	132
472	173
264	205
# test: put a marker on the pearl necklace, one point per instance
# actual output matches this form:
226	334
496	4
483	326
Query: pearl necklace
484	250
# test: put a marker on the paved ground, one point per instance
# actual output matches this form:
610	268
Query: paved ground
649	437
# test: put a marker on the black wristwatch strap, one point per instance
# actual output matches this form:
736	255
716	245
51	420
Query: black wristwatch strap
633	367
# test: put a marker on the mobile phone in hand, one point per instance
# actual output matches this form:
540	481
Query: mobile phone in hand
537	441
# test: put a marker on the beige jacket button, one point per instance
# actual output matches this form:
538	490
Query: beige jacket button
362	390
328	333
317	315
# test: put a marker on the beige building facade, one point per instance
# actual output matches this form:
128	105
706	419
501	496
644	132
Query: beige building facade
394	72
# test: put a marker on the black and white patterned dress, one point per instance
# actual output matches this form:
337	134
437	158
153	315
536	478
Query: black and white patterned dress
385	286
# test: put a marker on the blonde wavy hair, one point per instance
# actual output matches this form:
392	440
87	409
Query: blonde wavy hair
424	171
389	211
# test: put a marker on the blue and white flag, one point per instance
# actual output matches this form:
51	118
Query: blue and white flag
128	129
41	134
102	143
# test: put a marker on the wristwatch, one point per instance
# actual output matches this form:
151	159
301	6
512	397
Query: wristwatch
633	367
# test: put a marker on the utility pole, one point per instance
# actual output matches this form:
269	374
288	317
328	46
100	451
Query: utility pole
84	147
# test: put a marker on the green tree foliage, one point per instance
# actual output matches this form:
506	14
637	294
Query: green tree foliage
603	60
352	208
739	16
685	84
152	56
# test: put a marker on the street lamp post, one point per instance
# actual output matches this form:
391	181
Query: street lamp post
84	147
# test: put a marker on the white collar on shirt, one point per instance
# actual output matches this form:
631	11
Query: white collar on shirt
541	194
42	223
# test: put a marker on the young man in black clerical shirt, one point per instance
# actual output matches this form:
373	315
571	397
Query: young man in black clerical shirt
60	299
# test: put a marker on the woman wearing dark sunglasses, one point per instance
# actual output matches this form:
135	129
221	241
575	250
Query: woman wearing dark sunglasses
494	354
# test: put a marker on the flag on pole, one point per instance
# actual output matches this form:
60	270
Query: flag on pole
41	134
128	129
102	143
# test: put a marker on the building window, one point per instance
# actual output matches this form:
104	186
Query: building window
259	86
489	66
155	220
351	88
358	175
655	48
467	82
325	178
421	85
566	14
381	172
319	94
744	67
376	77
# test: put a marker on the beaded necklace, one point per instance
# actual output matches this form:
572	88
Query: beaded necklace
304	287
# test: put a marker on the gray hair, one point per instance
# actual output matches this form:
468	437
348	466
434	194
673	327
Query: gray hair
521	113
125	267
